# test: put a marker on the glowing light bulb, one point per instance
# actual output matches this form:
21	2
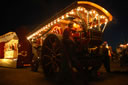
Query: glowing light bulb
91	27
106	20
67	15
48	25
62	17
94	12
90	12
58	20
85	11
54	21
78	8
72	12
96	15
101	17
81	9
51	23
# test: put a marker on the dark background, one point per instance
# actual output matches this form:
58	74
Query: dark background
30	13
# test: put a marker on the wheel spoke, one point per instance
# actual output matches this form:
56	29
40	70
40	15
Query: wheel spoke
48	63
47	56
57	49
50	41
59	54
57	69
50	50
53	67
90	68
48	47
58	60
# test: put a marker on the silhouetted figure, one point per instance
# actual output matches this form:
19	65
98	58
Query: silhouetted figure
36	57
106	57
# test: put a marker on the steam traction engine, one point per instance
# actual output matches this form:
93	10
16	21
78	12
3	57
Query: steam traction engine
72	39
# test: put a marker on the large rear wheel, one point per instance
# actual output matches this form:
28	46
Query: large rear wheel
52	54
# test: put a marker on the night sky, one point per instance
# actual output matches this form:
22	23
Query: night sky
31	13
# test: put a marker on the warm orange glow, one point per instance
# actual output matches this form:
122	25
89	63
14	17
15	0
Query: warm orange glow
65	21
11	49
56	29
98	7
97	16
121	45
124	45
27	64
76	25
8	62
9	54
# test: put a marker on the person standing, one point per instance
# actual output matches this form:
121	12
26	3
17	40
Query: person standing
36	56
106	57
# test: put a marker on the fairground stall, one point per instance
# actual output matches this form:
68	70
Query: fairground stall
122	54
72	39
12	53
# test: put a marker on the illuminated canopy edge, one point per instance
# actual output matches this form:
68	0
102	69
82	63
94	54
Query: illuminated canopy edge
56	17
98	7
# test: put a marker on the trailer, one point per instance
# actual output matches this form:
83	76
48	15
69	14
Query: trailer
15	50
71	41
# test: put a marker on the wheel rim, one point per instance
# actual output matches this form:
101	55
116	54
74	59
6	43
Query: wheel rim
52	55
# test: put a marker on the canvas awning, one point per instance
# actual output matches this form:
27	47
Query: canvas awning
8	36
